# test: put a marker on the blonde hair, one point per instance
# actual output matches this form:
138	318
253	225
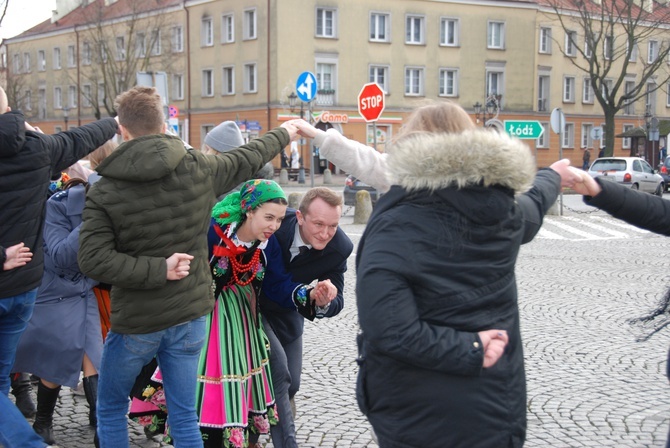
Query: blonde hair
100	154
326	194
436	117
140	111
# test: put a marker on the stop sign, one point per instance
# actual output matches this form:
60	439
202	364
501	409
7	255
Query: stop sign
371	101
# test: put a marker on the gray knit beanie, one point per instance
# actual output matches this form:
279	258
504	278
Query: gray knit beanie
224	137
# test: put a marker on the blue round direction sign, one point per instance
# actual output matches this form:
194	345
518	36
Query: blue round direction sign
305	87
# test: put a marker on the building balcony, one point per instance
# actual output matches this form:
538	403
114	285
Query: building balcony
325	97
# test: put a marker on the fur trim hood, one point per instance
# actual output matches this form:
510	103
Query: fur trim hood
477	157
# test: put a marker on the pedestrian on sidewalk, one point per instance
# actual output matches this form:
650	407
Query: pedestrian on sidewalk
143	233
586	159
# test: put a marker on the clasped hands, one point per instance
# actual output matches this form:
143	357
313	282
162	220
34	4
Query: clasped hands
323	293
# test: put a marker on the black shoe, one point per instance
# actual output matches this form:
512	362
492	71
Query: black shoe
91	391
21	389
46	403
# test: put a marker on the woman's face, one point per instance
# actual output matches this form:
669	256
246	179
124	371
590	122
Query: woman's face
263	221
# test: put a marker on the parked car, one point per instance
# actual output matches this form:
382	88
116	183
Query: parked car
664	171
353	186
631	171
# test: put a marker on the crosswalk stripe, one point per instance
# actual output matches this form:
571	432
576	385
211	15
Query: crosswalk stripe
619	223
599	228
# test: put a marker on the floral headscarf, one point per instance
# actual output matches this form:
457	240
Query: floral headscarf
252	194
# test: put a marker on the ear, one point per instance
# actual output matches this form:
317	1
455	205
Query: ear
124	133
164	128
301	219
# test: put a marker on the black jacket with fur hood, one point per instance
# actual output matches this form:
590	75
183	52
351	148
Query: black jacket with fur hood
28	161
434	267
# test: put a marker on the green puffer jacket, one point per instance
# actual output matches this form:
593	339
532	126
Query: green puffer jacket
155	199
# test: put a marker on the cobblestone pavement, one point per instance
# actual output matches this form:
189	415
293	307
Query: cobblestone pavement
590	384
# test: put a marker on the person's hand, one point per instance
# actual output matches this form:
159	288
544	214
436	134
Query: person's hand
30	127
16	256
586	186
323	293
568	176
305	129
178	266
493	345
292	127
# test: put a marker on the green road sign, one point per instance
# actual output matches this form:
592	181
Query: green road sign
530	130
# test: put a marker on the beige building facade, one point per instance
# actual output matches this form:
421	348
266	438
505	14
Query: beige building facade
240	60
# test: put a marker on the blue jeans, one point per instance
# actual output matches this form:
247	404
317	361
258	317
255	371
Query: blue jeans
177	350
15	312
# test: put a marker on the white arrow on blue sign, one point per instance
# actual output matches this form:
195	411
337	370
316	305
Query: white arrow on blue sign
306	86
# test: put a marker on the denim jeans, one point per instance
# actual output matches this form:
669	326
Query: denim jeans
15	431
15	312
177	350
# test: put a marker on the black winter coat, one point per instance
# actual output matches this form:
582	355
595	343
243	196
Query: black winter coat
28	160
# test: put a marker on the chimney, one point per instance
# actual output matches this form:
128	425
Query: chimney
63	8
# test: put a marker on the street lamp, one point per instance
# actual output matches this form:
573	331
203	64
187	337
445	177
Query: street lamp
66	115
652	133
292	98
488	111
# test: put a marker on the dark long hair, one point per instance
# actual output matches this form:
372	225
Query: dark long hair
655	321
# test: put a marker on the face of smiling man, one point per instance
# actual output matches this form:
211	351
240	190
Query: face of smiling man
319	223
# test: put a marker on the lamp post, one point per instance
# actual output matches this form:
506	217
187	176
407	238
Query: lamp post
652	133
66	115
292	98
488	111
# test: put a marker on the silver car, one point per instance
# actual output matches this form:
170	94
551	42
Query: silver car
631	171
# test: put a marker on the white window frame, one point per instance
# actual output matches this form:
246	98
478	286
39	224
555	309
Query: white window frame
323	17
120	48
16	59
56	59
380	32
206	32
447	38
543	91
493	28
71	56
207	82
497	74
228	78
177	39
156	46
626	142
568	136
652	51
41	61
545	40
414	80
177	86
569	89
101	94
326	73
586	140
140	45
86	96
27	100
250	77
415	24
58	97
634	54
443	90
380	74
608	47
543	140
86	53
249	24
26	62
228	28
72	97
587	49
571	43
588	96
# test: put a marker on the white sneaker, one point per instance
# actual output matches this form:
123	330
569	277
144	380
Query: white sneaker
79	390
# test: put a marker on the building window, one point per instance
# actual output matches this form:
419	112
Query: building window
543	90
41	61
633	51
101	95
543	140
120	48
496	35
587	142
650	97
250	82
177	86
570	43
414	33
448	82
588	48
229	80
626	142
249	24
103	51
207	32
569	136
379	74
413	81
207	83
494	83
56	61
72	97
71	56
608	47
629	108
17	63
26	62
177	39
86	96
569	89
227	28
606	87
379	27
587	92
42	103
652	53
156	42
325	76
545	40
326	22
140	45
27	101
449	32
58	98
86	54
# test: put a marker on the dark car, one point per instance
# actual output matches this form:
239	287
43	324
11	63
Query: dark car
664	171
353	186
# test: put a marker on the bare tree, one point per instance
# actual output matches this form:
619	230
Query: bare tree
17	85
3	10
113	51
611	58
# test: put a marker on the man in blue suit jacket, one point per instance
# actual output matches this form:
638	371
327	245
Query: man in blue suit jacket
310	246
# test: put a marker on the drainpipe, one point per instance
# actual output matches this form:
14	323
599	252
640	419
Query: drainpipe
269	28
76	33
188	73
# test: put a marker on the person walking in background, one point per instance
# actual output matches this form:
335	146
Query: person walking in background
295	156
440	344
143	233
586	159
28	160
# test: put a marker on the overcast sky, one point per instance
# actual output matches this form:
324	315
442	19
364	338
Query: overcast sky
25	14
